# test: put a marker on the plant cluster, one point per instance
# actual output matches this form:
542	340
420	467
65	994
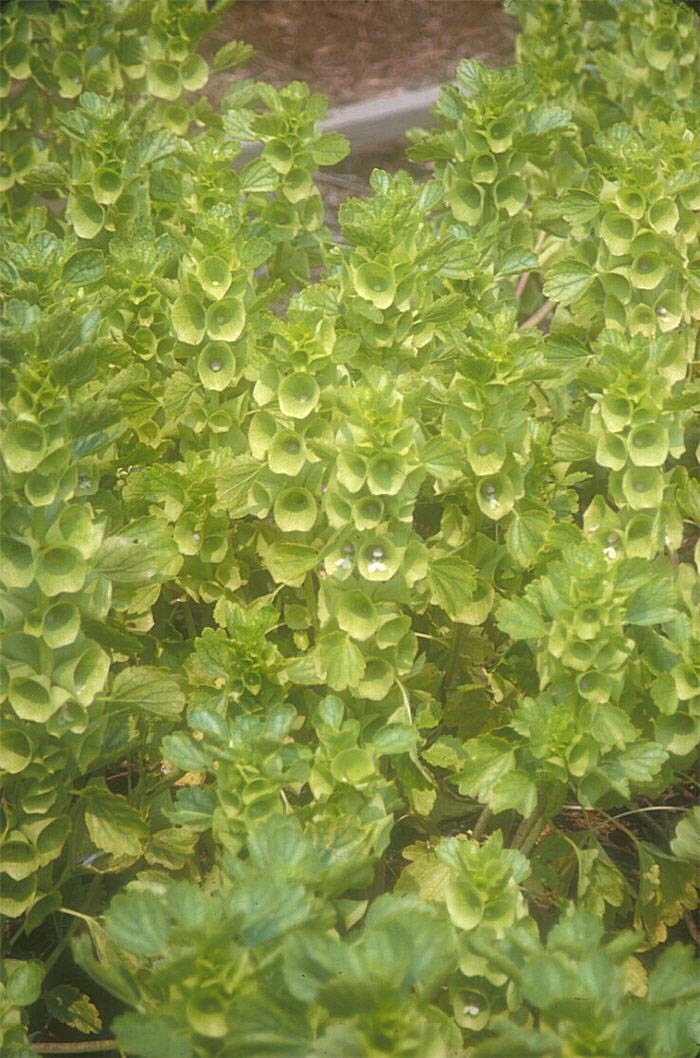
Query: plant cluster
350	582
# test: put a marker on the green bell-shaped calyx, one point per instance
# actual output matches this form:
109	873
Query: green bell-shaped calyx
648	445
351	470
107	185
659	48
23	445
189	319
495	496
295	510
163	80
61	625
511	194
500	134
479	606
215	276
32	698
298	394
641	537
616	411
367	512
374	281
286	454
466	200
226	319
377	680
617	232
357	615
15	750
16	562
643	487
194	73
216	366
59	569
631	202
664	216
647	270
84	675
484	168
486	452
611	451
378	560
206	1014
86	216
385	474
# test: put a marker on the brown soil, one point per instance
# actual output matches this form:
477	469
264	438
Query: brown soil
352	49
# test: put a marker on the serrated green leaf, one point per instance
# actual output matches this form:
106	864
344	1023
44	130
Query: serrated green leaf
566	281
148	688
452	584
519	619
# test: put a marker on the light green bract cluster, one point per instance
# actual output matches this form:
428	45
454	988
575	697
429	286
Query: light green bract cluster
350	672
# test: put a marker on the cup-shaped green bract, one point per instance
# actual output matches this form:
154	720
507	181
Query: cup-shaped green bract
631	202
486	452
587	622
69	72
643	487
214	547
664	216
484	169
351	470
61	625
386	474
641	537
206	1014
614	313
340	562
280	155
107	185
643	320
17	58
617	231
43	485
355	766
19	858
500	134
214	274
297	185
86	216
495	496
298	394
375	282
669	309
377	680
648	445
479	607
194	73
226	319
31	698
646	271
659	48
187	534
23	445
378	560
261	433
216	366
616	411
84	676
295	510
60	569
286	454
611	451
510	194
16	562
466	200
337	509
189	319
163	80
595	687
616	285
367	512
357	615
15	750
75	527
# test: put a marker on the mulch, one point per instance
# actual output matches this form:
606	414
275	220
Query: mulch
353	49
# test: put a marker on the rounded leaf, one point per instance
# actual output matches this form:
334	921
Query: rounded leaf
354	766
377	681
163	80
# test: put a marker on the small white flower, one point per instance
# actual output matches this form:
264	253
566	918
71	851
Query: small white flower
471	1010
376	567
610	552
343	563
197	537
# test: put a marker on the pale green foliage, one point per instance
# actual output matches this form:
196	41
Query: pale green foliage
313	549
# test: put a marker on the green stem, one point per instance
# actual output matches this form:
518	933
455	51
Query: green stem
453	663
530	829
89	1047
482	823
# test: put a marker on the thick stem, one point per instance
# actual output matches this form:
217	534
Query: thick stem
482	822
453	663
89	1047
537	316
